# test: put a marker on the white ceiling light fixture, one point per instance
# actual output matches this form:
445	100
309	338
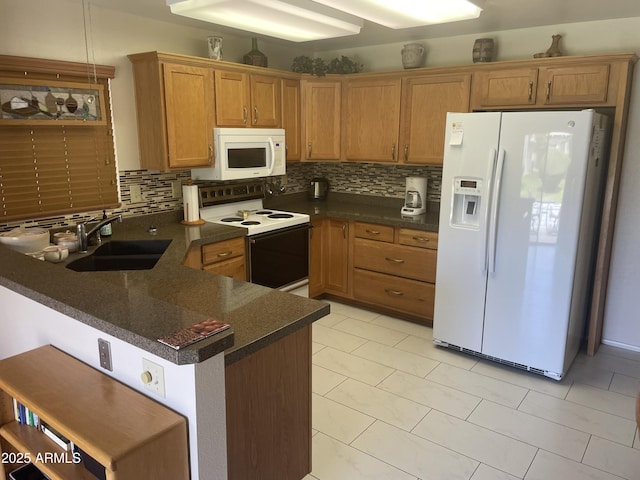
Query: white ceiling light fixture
409	13
294	20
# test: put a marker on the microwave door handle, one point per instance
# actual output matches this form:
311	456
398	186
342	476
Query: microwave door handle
273	156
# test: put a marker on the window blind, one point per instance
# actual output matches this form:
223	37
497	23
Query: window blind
50	170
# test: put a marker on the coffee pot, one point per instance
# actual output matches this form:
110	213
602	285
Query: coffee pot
318	188
415	197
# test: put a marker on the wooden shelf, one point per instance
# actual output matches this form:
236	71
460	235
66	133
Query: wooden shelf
131	435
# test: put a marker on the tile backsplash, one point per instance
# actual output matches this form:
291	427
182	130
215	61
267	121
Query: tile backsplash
157	188
365	178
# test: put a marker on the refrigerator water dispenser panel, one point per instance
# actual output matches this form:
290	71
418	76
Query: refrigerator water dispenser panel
467	196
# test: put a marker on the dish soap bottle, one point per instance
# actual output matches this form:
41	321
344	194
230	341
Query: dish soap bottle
105	231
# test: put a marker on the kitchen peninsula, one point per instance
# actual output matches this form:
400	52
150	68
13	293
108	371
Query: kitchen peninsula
45	303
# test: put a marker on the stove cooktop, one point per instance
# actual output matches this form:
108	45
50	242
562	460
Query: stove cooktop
259	219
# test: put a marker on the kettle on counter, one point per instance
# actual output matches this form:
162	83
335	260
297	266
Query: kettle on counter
318	188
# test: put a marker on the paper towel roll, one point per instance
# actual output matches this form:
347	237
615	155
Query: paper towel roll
190	202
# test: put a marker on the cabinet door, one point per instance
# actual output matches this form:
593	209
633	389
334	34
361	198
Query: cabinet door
575	85
425	103
291	111
321	106
265	101
316	256
189	115
372	117
505	87
336	255
232	99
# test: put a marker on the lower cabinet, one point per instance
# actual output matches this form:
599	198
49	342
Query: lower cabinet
127	435
268	398
392	268
224	258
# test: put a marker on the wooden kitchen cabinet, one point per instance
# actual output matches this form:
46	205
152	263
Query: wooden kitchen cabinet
425	103
291	118
247	100
395	269
226	258
129	435
336	256
554	85
321	106
371	119
174	104
268	397
316	258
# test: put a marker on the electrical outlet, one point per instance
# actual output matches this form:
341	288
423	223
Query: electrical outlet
153	377
136	194
104	350
176	189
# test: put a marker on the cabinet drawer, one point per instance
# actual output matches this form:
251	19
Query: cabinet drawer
401	260
383	233
404	295
233	268
218	252
418	238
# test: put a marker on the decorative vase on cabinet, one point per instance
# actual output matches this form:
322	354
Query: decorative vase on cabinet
413	55
255	56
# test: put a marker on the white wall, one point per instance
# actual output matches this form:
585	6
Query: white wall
621	323
54	29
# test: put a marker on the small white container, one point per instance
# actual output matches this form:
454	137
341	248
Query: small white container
55	253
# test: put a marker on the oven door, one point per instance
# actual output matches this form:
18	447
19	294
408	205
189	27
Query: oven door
279	258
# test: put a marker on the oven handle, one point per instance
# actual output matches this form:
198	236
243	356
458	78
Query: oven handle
253	239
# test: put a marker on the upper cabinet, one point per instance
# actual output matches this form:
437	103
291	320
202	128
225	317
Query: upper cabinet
175	113
321	100
371	118
247	100
291	118
568	85
425	103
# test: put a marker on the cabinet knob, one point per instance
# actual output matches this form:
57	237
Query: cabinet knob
244	114
373	232
420	239
255	114
146	377
530	90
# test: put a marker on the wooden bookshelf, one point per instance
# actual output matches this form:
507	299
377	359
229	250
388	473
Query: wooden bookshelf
130	435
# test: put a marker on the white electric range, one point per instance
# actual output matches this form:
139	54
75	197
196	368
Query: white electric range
277	242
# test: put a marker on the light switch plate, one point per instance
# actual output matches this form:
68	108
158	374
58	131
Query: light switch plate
136	194
104	350
156	385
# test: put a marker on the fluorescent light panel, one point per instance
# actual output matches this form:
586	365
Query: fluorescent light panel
294	20
408	13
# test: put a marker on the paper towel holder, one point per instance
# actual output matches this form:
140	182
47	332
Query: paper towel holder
191	205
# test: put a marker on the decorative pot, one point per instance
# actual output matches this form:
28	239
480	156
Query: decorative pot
483	50
215	48
413	55
255	56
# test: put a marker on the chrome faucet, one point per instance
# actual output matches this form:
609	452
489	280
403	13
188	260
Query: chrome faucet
83	235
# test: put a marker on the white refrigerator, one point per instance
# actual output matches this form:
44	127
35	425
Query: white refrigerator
519	218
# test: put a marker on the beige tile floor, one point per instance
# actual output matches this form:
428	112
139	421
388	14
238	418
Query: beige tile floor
388	404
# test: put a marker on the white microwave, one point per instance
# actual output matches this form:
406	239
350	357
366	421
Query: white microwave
242	153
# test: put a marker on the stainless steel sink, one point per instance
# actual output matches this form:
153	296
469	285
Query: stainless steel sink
122	255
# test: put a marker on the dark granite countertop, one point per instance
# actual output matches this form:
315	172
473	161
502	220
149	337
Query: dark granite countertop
364	208
143	305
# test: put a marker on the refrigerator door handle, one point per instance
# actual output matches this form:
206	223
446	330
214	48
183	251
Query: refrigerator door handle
484	251
495	201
